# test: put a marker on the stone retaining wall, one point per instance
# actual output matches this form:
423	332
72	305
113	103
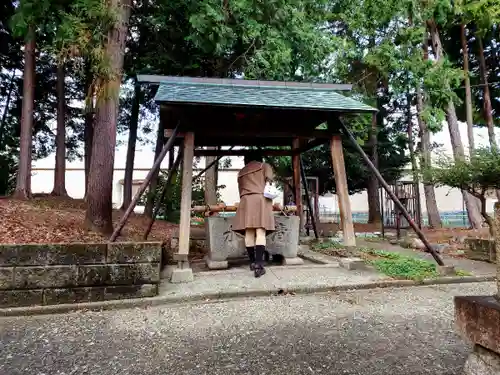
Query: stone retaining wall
48	274
480	249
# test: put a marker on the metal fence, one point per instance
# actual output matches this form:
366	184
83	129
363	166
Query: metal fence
451	219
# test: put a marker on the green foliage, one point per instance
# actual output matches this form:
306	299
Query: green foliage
317	162
171	204
401	267
264	40
477	174
7	173
406	268
318	246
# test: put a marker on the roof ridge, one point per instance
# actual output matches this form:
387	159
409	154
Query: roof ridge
235	82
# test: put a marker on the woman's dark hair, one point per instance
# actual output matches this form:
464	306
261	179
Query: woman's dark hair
253	155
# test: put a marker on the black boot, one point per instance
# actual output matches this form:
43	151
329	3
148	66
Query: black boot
251	256
259	261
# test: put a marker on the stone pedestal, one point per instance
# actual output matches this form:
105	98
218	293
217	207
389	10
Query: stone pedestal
478	319
224	244
480	249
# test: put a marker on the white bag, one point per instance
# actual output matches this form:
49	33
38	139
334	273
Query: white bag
270	191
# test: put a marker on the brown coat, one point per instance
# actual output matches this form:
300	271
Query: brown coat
254	210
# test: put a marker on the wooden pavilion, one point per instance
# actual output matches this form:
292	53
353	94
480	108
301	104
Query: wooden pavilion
205	112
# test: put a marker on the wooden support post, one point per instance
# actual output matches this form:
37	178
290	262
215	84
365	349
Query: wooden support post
184	273
391	194
296	182
154	171
342	191
312	213
159	201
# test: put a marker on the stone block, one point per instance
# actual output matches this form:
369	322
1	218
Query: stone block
477	318
45	277
446	270
93	275
72	295
132	252
130	291
6	278
133	274
482	362
19	298
216	265
52	254
293	261
182	275
166	272
223	243
352	264
480	249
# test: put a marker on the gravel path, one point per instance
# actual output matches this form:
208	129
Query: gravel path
399	331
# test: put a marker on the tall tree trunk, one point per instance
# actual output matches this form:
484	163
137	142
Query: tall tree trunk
471	202
60	167
210	179
488	111
413	159
132	139
433	215
23	183
150	202
88	132
100	189
7	105
372	191
468	92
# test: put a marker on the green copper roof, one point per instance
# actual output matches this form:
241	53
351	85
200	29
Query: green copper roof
272	94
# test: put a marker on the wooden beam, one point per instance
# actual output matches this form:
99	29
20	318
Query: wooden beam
312	144
342	191
296	182
323	134
242	152
187	179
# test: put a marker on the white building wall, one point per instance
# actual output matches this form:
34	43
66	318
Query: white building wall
43	182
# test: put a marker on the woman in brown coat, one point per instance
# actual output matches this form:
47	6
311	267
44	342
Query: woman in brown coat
254	216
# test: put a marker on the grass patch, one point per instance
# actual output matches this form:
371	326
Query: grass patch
399	266
327	245
463	273
331	248
392	264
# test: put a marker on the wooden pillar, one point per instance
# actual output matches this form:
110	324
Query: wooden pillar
296	183
183	273
342	191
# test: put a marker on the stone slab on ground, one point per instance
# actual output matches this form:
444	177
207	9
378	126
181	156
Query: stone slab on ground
351	264
181	275
313	256
446	270
400	331
279	277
